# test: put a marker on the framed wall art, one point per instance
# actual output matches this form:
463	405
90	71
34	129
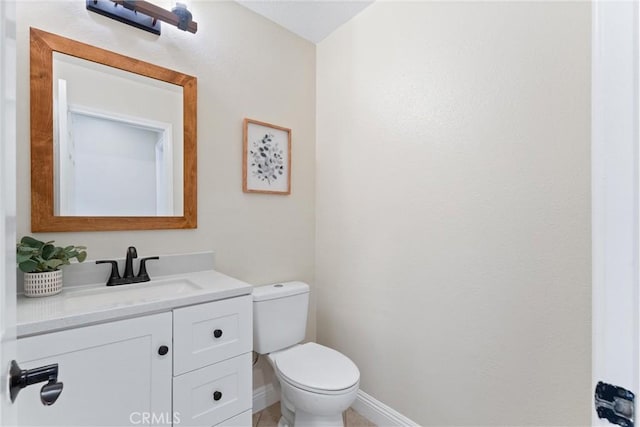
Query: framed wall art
266	166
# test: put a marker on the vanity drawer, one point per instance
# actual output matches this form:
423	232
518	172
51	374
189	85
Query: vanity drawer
208	333
213	394
242	420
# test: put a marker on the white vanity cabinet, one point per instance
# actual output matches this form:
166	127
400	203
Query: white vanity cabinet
119	374
112	373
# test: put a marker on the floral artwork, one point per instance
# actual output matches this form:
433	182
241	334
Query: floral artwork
267	158
266	161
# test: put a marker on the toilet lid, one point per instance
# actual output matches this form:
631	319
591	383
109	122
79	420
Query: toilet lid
313	366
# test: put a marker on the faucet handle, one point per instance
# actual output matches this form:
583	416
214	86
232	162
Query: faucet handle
142	273
115	274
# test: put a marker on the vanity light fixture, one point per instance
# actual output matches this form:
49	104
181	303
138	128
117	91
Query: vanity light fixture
144	15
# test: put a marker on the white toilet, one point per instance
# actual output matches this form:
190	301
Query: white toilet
317	383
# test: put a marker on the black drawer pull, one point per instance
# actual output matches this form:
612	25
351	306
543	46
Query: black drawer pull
162	350
217	395
217	333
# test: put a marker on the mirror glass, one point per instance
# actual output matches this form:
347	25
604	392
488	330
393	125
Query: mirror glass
113	140
118	141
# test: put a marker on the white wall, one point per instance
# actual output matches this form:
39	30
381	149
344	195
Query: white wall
246	67
453	208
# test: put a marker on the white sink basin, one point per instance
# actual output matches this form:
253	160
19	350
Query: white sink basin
136	293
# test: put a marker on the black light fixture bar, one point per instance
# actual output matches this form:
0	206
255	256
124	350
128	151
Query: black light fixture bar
143	14
126	16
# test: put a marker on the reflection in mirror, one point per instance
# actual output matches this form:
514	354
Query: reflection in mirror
118	147
113	140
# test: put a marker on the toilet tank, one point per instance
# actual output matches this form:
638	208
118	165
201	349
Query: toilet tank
279	316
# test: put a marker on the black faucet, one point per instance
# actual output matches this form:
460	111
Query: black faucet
128	278
128	264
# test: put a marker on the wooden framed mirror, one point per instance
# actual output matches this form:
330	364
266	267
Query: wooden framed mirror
113	140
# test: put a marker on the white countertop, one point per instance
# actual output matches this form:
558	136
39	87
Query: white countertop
96	303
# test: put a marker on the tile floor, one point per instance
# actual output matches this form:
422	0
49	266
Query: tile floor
269	417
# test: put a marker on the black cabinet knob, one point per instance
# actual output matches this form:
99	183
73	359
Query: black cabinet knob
217	395
217	333
162	350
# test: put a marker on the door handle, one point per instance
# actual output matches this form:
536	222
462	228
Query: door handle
21	378
615	404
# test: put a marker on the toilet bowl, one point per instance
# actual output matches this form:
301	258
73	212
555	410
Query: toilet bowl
317	384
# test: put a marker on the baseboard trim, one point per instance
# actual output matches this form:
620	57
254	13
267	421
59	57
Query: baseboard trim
379	413
264	396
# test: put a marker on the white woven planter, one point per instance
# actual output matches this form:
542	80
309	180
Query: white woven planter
42	284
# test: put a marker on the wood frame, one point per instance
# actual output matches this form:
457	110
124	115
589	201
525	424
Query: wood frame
43	45
245	153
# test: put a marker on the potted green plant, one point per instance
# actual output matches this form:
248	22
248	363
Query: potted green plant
41	263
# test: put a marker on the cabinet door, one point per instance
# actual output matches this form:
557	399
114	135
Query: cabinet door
113	374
